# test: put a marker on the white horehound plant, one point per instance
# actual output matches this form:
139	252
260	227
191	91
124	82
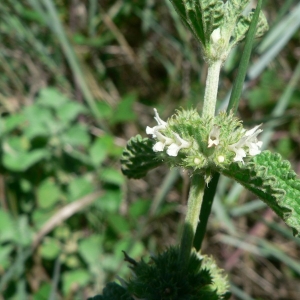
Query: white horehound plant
206	145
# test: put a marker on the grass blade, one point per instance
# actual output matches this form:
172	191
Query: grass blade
239	82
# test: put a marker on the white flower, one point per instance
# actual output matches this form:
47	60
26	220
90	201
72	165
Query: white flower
155	131
250	141
213	138
174	145
161	125
162	142
174	148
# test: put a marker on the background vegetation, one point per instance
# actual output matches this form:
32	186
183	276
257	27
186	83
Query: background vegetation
77	80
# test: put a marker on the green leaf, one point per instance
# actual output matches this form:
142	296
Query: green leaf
213	16
98	151
180	9
75	279
50	248
21	161
124	111
40	217
138	157
90	249
79	187
48	193
77	135
139	208
111	175
69	111
5	251
52	98
119	224
12	122
110	201
40	122
7	227
43	292
271	178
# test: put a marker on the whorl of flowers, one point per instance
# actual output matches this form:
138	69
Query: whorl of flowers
191	141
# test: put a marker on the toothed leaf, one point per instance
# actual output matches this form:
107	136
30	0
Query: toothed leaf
213	16
180	9
194	17
243	26
138	157
271	178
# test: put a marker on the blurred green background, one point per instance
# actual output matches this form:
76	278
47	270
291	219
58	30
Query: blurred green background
77	80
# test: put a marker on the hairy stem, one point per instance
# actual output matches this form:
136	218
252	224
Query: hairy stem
192	217
211	89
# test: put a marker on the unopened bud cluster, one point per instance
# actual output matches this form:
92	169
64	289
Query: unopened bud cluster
203	144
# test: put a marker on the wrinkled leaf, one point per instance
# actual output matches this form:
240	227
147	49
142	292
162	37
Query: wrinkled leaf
138	157
271	178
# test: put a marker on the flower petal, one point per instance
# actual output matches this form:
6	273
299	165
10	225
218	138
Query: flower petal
173	150
158	147
240	154
159	120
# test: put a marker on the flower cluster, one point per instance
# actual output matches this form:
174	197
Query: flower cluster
174	144
248	140
209	142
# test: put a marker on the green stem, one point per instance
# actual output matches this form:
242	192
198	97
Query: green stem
208	198
192	217
211	89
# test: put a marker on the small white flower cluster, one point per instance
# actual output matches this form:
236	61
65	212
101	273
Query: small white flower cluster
249	140
174	144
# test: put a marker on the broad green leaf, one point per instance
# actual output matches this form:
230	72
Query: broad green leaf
7	227
124	111
24	231
271	178
52	98
5	251
69	111
105	111
138	157
48	193
12	122
110	201
43	292
75	278
77	135
50	248
180	9
98	151
111	175
90	248
79	187
40	121
118	223
139	208
21	161
41	216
